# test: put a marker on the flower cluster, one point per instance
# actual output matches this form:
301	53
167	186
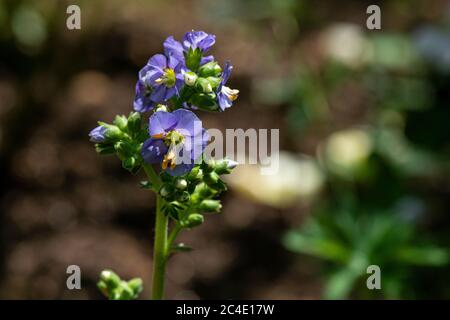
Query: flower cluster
184	76
172	141
116	289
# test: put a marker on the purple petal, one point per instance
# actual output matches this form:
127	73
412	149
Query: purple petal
158	93
97	134
153	150
188	123
206	43
198	39
173	47
226	72
224	102
173	62
206	59
161	122
170	92
158	61
142	101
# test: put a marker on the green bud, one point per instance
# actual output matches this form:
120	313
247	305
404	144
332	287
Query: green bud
224	166
210	205
101	285
211	177
196	173
205	101
134	122
105	148
181	184
214	81
203	85
194	220
110	278
203	190
124	149
136	285
184	196
210	69
121	122
129	163
112	132
165	191
126	293
190	78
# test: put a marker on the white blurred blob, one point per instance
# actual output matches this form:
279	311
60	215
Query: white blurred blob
347	149
346	43
298	178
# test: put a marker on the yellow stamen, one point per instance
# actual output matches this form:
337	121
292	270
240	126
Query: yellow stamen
168	160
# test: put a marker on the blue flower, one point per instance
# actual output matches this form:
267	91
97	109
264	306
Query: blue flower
226	95
159	81
97	134
191	40
177	141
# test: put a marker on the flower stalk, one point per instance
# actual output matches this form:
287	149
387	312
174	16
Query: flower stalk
170	148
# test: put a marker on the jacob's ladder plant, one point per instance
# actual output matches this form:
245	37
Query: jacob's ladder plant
169	147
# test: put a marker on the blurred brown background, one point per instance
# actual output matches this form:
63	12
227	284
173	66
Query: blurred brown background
62	204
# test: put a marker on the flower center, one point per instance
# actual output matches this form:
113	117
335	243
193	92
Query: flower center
168	78
231	94
173	138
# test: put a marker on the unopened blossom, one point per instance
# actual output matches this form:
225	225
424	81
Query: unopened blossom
97	134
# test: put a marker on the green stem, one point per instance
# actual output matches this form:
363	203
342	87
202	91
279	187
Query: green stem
172	236
160	244
159	252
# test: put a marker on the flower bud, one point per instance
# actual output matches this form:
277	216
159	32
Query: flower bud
203	85
196	173
126	293
111	279
121	122
210	205
165	191
193	220
190	78
134	122
129	163
225	166
211	178
112	132
181	184
184	196
124	149
205	101
210	69
214	81
136	285
105	148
